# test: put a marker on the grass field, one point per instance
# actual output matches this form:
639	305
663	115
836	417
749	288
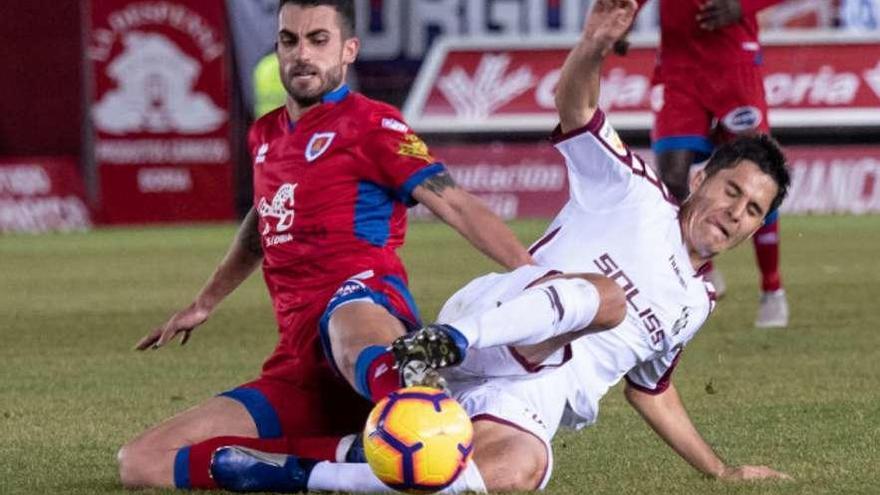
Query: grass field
805	400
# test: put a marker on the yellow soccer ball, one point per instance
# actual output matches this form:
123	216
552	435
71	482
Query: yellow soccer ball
418	440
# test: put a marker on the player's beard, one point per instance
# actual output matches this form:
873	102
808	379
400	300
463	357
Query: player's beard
329	80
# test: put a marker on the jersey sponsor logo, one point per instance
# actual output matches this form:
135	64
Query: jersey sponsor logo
395	125
414	147
281	208
261	154
318	144
645	313
742	119
155	90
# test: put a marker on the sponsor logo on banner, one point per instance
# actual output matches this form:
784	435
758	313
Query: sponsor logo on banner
485	85
318	144
478	95
160	109
155	91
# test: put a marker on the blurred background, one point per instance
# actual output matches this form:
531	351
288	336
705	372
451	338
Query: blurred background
135	111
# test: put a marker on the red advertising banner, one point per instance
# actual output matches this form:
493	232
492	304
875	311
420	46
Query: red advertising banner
41	194
160	110
472	85
523	180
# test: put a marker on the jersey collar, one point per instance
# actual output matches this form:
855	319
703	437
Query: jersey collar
336	95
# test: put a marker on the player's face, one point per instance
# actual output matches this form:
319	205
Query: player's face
312	53
726	208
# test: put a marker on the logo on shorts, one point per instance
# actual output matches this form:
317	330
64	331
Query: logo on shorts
318	144
350	287
742	119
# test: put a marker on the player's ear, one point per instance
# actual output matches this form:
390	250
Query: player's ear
697	179
350	48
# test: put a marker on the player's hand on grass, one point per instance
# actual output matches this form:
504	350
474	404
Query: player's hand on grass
715	14
750	473
609	21
184	321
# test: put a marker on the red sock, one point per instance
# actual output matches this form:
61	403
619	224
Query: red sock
382	378
766	241
192	466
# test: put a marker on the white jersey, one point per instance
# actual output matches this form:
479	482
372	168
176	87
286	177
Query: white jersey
620	221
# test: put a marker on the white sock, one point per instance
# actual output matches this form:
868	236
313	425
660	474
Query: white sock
345	477
470	480
359	478
541	312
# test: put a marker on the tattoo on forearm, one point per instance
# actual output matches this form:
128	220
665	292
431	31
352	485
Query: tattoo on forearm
440	182
249	234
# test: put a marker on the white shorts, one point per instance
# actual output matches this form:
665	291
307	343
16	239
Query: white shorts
533	405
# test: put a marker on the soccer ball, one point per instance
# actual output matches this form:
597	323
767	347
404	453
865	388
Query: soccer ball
418	440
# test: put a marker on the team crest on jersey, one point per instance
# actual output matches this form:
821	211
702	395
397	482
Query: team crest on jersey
281	209
612	139
318	144
414	147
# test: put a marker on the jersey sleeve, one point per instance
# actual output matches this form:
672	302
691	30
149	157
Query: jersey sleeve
399	159
653	377
602	170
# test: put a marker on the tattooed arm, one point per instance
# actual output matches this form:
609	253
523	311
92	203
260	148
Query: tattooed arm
241	259
472	219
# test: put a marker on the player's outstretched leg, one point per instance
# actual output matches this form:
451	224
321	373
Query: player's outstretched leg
418	354
566	306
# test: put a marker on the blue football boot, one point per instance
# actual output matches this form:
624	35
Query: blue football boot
240	469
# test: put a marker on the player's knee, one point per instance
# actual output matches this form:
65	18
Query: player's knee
612	302
127	460
521	469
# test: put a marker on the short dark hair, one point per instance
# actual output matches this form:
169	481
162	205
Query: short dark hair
344	9
761	149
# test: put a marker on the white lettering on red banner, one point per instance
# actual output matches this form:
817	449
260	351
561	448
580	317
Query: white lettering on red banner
508	85
42	195
521	180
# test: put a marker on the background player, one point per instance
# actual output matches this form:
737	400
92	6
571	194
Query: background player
618	213
333	174
709	86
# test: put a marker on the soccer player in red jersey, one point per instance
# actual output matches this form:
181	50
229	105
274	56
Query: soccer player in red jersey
333	174
708	85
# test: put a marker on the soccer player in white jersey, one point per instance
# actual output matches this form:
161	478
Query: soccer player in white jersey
629	259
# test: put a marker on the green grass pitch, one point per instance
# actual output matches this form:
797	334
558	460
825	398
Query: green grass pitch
805	400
